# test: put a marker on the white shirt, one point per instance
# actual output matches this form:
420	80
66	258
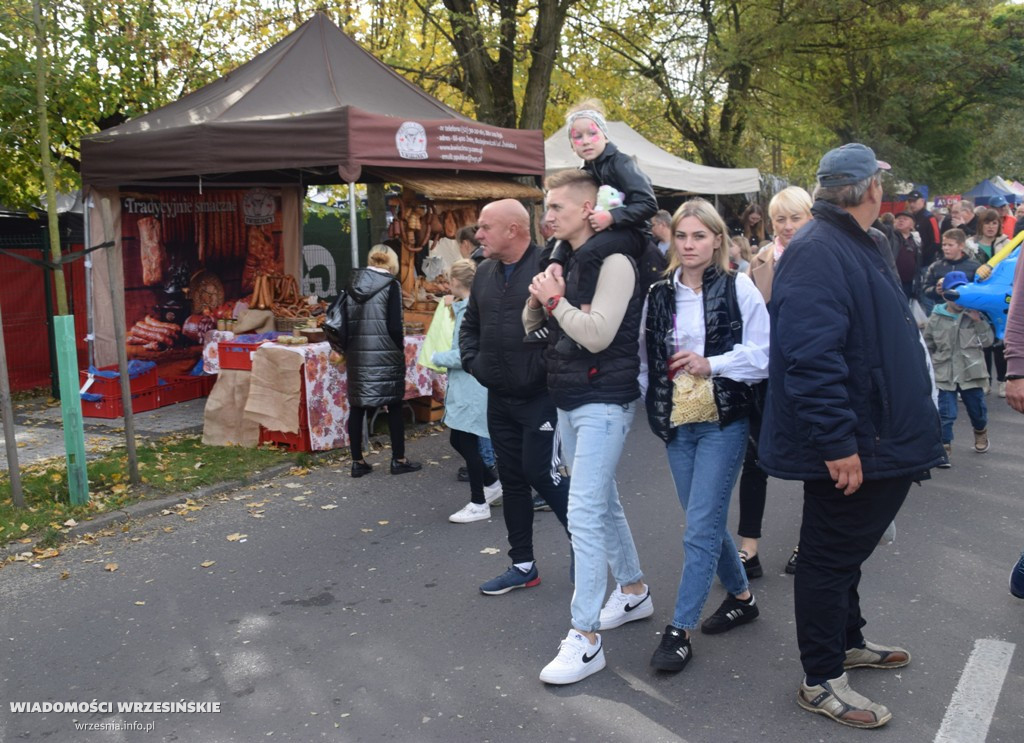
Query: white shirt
747	361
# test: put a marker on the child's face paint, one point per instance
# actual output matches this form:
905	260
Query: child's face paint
588	141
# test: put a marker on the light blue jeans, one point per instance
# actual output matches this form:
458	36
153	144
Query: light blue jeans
705	461
592	439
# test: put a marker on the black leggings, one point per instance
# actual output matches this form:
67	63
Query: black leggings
396	428
465	443
994	355
753	486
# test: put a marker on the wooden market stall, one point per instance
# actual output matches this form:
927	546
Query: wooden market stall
203	197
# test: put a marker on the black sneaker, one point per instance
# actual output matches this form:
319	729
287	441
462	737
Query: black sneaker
538	337
732	613
791	564
751	565
674	651
539	504
398	467
361	468
463	475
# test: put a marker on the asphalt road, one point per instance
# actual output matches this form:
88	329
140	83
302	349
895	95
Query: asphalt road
349	611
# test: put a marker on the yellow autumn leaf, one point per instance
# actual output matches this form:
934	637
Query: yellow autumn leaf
328	507
110	567
207	563
140	603
65	575
24	526
383	523
236	536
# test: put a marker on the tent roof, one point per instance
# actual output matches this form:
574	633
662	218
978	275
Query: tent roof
985	191
663	168
317	102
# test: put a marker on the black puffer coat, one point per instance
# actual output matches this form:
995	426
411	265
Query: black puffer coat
723	327
374	357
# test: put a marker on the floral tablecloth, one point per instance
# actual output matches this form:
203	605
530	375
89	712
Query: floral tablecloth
327	390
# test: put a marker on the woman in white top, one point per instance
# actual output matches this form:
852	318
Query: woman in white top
705	328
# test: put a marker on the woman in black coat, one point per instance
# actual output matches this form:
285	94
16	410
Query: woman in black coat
369	332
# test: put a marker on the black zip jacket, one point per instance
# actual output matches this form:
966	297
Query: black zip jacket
491	338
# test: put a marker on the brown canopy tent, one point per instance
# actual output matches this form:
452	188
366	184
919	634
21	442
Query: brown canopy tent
315	108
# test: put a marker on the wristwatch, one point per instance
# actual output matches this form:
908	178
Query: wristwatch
552	303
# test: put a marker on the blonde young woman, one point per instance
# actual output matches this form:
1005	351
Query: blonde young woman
789	210
704	322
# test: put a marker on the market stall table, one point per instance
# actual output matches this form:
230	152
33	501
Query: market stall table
323	410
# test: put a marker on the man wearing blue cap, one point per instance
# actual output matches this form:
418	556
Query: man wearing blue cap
850	413
1002	206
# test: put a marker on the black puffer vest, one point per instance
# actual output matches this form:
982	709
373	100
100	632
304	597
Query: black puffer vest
575	375
376	366
723	327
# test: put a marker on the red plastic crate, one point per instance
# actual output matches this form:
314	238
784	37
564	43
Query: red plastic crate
290	441
236	354
112	406
111	386
180	389
207	381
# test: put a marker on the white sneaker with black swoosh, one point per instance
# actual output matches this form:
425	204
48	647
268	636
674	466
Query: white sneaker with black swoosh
624	607
576	660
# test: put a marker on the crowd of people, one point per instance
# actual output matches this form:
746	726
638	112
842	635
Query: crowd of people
820	346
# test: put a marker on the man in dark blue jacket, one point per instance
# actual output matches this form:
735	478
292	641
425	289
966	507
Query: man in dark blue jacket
850	413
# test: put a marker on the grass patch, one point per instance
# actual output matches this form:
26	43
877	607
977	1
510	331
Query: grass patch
176	464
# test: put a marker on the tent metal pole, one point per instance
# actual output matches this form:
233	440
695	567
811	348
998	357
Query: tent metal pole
90	319
352	224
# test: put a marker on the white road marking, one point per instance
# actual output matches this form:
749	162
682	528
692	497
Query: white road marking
974	700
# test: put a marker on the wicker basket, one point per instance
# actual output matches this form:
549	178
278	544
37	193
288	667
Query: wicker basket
288	324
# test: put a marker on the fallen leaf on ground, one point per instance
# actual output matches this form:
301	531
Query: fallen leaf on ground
328	507
70	522
110	567
292	485
207	563
46	554
140	603
366	531
236	536
65	575
299	498
490	551
383	523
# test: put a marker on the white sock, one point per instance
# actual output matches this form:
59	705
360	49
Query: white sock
526	567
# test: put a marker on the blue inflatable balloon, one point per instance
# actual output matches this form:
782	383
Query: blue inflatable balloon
991	296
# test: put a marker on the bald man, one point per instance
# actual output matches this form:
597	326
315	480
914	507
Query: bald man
521	417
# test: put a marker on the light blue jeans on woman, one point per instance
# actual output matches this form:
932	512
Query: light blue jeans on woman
592	439
705	461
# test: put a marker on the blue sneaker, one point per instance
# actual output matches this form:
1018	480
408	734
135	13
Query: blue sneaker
1017	578
511	578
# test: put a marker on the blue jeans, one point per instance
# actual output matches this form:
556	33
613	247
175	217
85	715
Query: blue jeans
705	461
486	450
592	439
974	401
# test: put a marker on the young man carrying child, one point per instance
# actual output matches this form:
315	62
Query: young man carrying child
956	338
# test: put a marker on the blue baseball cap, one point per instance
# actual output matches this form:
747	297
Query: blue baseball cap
954	280
848	164
996	202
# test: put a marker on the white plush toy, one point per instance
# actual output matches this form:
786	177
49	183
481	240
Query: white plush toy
608	198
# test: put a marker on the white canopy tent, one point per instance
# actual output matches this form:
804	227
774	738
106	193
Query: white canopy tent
665	170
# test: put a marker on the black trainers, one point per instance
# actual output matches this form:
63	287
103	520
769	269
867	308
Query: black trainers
751	565
538	337
539	504
361	468
791	564
732	613
674	651
398	467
